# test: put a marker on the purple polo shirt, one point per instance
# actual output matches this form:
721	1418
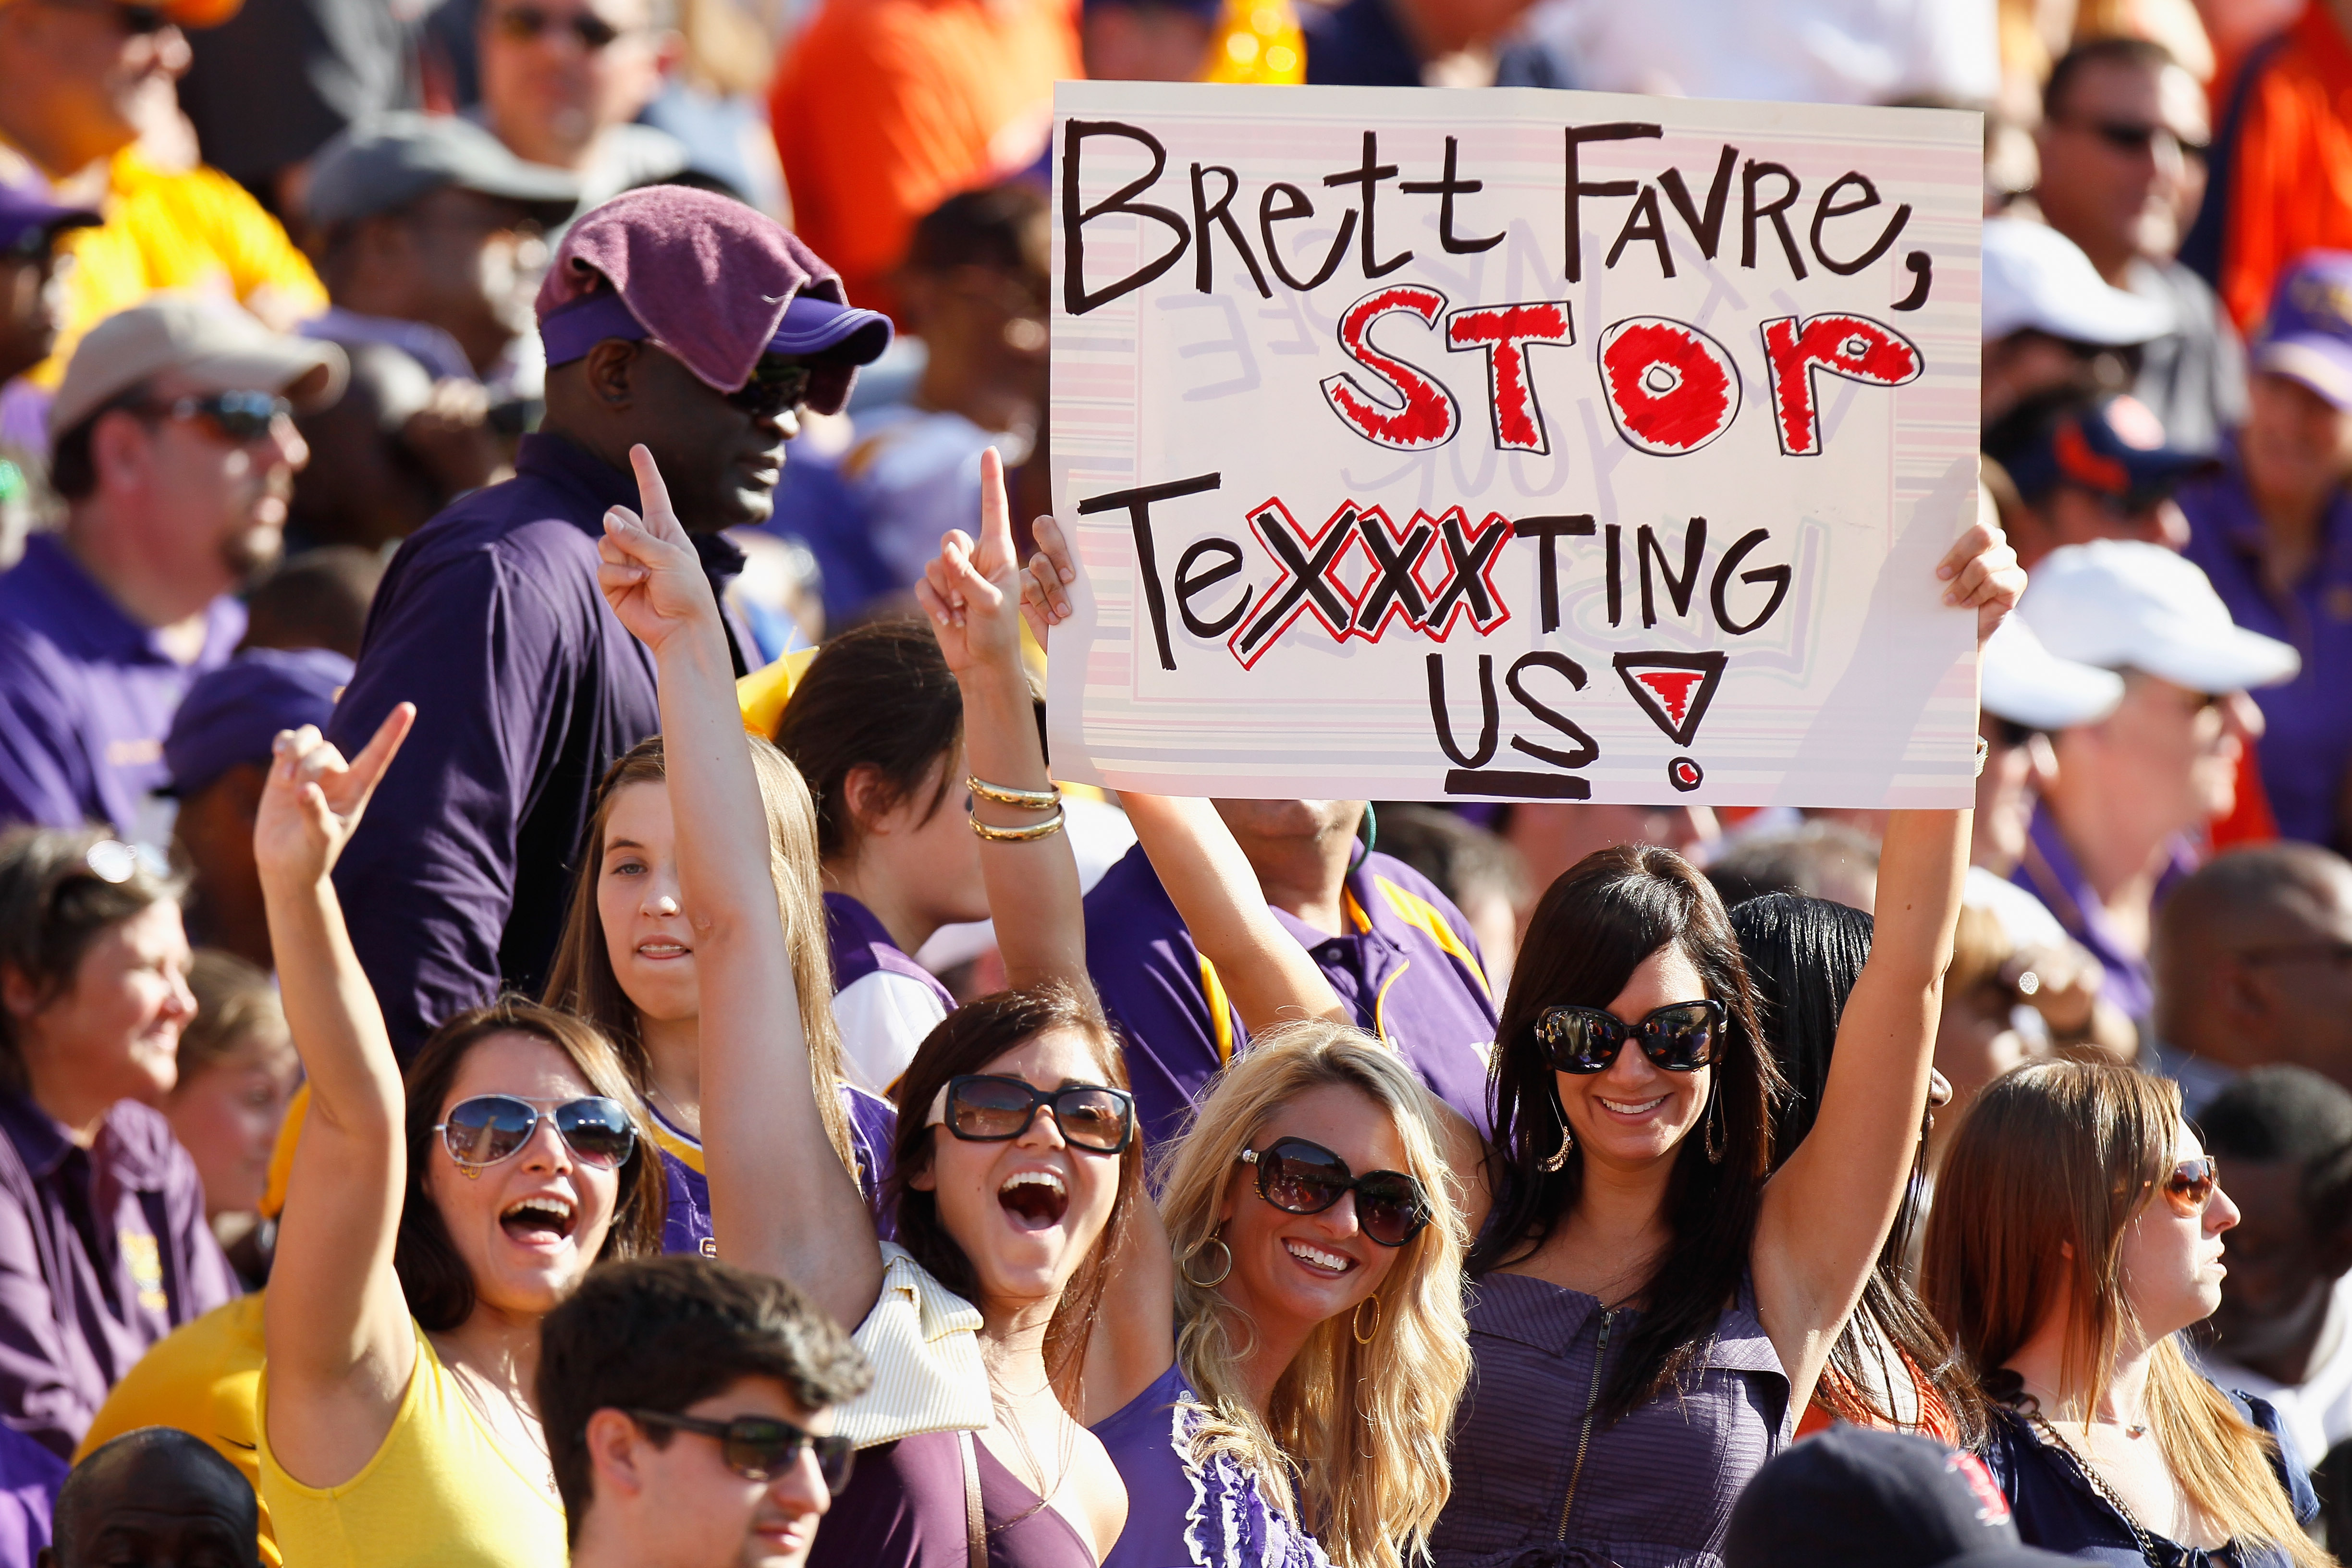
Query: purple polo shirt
29	1478
87	693
2305	751
1408	969
526	689
103	1251
2049	872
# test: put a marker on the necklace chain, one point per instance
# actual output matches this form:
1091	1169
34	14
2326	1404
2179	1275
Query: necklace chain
2090	1472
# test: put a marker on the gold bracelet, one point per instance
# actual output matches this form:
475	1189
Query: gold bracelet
1045	799
1037	830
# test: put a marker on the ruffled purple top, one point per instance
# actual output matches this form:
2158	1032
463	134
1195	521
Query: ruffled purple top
1180	1511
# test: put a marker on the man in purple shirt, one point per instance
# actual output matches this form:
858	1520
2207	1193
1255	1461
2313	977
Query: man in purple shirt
174	451
2274	532
1395	948
671	317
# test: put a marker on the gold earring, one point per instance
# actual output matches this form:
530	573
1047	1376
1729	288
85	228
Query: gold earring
473	1173
1219	1243
1356	1322
1566	1140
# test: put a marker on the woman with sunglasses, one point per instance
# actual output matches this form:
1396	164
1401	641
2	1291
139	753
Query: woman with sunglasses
625	963
1655	1300
423	1241
2077	1229
1016	1159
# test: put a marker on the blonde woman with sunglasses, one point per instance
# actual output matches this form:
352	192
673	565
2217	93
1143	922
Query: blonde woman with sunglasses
2078	1227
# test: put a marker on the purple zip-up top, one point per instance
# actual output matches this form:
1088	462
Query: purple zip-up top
526	689
2051	873
2305	751
103	1251
1538	1481
87	693
1409	970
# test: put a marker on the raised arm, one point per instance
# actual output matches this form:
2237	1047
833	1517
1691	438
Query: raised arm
339	1341
1826	1213
972	594
781	1199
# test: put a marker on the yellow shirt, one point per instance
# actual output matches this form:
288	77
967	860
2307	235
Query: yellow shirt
202	1378
439	1493
193	230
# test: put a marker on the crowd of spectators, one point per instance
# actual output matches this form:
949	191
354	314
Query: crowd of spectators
328	330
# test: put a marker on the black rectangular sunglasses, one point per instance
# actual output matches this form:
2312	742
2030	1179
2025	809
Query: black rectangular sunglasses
1682	1036
1301	1177
758	1447
987	1108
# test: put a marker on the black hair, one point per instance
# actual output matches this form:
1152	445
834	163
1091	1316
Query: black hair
1594	927
317	599
2277	1113
2145	53
1005	228
663	1333
85	1499
1804	956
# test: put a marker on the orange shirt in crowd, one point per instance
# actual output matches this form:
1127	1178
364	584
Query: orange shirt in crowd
883	108
2290	179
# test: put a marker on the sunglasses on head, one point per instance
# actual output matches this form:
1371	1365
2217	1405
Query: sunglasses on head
1681	1036
2190	1187
522	24
489	1128
1299	1177
759	1448
779	383
236	418
987	1108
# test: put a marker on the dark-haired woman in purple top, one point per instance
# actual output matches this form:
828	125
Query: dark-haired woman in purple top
1653	1301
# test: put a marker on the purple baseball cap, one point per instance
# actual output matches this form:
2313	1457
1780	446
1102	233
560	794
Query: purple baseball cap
231	714
716	283
2308	333
29	220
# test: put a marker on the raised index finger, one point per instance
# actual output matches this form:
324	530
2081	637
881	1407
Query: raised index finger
995	511
653	496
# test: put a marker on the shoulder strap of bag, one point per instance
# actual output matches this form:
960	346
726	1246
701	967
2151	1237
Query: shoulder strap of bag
975	1522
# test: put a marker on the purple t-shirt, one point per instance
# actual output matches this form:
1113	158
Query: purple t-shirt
1409	970
1185	1514
103	1251
29	1478
686	1219
87	693
2307	745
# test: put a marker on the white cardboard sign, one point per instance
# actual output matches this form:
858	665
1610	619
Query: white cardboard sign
1517	444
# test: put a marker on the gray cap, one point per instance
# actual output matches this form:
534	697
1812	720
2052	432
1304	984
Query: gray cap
211	342
393	159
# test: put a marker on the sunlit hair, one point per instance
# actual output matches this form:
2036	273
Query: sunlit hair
2043	1178
1353	1439
972	1037
583	980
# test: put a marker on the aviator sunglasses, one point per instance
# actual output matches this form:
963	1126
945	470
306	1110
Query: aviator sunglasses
236	418
489	1128
987	1108
2189	1188
523	23
758	1448
1299	1177
1678	1037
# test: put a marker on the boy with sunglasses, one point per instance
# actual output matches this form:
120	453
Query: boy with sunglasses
687	1410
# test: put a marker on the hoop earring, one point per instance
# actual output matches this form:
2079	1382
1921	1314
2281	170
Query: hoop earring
1567	1138
1714	1125
1356	1321
1219	1243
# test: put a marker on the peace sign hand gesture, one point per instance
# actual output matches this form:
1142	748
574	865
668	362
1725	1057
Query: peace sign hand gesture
646	566
313	800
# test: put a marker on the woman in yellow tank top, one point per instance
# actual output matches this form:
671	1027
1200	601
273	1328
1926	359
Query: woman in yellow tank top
426	1230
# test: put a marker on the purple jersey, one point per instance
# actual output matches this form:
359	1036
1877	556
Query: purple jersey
685	1222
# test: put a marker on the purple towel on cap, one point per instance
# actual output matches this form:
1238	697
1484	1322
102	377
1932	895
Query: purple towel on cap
708	276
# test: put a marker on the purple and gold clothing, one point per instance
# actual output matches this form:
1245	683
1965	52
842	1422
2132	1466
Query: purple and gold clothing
1407	968
885	1002
685	1222
2049	872
103	1251
526	689
1181	1513
87	693
2305	751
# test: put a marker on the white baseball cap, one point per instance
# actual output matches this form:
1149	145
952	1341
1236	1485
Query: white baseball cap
2022	681
2036	277
2121	604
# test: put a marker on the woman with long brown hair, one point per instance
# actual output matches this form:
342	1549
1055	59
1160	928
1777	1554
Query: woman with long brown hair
2077	1228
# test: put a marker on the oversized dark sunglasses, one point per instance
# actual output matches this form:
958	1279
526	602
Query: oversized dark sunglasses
522	24
2190	1187
985	1107
759	1448
236	418
1679	1037
1300	1178
489	1128
778	385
